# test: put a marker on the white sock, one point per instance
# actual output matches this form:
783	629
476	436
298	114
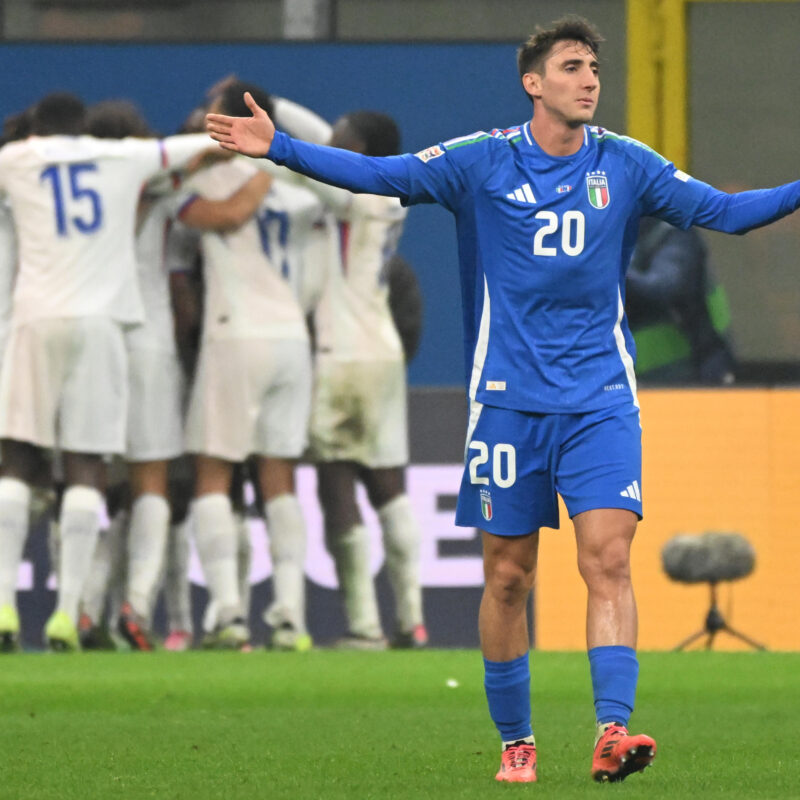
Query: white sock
210	615
147	542
401	536
95	590
243	559
526	740
287	546
15	498
79	525
177	594
215	537
350	553
600	729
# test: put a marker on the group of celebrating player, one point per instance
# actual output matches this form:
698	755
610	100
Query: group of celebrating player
165	297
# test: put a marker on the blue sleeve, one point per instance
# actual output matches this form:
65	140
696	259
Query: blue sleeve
743	211
412	178
666	192
674	196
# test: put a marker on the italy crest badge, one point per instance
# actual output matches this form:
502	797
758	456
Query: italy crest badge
486	504
597	188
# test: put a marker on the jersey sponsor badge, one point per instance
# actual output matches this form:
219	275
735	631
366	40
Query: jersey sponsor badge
486	504
430	152
681	175
597	188
495	386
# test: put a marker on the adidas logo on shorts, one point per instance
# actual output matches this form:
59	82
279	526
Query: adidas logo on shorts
632	491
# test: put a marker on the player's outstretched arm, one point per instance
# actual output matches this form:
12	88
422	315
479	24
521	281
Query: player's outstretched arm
256	137
251	136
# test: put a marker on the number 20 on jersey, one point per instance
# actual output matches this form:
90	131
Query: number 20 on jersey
504	464
567	231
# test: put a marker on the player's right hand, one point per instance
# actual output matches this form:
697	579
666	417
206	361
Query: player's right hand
251	136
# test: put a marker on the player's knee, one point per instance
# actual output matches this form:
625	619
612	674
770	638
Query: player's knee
610	564
509	581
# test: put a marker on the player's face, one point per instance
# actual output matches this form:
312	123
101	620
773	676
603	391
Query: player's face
569	87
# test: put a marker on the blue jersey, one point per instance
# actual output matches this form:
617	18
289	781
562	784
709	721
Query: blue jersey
544	243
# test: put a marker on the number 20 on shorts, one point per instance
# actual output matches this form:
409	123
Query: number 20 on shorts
504	464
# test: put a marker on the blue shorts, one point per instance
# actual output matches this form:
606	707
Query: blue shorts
517	462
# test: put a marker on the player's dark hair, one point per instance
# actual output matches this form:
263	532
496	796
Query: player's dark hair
378	132
17	126
195	122
532	55
60	113
116	119
231	98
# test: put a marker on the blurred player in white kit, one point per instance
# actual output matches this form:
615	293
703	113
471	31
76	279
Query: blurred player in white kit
251	395
64	379
359	424
156	381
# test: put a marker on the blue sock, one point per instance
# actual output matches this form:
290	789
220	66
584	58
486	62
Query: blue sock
508	690
615	671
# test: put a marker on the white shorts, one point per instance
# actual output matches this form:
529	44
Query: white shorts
250	396
155	410
65	383
359	413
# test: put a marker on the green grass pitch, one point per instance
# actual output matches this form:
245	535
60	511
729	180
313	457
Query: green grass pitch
333	725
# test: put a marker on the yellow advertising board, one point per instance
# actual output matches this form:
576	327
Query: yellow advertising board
717	460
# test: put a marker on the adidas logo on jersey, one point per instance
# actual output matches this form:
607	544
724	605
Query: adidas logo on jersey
523	194
632	491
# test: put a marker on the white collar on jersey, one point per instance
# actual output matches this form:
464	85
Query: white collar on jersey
526	130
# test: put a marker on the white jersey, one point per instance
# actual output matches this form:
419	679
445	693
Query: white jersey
8	272
247	272
353	321
74	205
155	221
294	230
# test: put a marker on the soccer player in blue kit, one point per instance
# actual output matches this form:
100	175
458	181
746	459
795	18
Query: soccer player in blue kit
547	214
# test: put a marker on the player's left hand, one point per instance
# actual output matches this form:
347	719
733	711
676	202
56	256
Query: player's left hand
251	136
